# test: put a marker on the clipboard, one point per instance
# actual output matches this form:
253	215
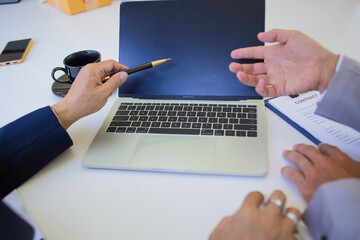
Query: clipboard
300	113
291	122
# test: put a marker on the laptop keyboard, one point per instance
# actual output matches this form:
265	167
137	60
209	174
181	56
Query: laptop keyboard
184	118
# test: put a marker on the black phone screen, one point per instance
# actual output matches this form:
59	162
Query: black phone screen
14	50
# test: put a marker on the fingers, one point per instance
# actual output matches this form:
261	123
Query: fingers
249	53
247	79
253	200
276	203
293	175
259	82
265	90
109	66
348	166
290	221
254	75
314	169
254	69
300	160
310	152
330	151
275	35
250	222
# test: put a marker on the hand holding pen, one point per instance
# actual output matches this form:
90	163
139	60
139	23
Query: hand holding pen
139	68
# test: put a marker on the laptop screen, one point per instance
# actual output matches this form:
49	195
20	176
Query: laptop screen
198	35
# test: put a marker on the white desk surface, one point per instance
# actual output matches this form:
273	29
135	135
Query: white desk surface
69	201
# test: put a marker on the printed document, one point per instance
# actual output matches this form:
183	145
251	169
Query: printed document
301	110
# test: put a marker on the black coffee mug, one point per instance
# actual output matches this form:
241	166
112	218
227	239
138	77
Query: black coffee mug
74	62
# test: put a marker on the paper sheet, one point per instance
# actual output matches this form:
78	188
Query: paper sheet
301	110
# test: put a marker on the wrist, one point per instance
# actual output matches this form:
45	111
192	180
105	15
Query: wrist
330	62
64	113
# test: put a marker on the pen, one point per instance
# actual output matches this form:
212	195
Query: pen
139	68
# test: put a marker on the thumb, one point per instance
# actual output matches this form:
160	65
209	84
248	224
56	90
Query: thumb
123	77
275	35
115	81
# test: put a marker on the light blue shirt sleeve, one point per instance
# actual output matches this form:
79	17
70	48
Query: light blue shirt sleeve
334	212
341	102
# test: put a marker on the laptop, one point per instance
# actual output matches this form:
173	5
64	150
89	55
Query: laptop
191	114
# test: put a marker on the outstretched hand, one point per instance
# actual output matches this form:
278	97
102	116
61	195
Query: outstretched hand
295	64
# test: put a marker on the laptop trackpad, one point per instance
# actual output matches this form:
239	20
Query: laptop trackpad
174	153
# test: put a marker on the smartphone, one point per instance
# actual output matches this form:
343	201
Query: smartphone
15	51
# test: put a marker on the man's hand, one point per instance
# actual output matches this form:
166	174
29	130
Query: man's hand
252	223
88	94
318	166
296	64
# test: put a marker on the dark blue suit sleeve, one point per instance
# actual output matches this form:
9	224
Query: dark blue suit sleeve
27	145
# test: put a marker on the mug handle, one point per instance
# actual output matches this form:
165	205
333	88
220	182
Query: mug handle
58	69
